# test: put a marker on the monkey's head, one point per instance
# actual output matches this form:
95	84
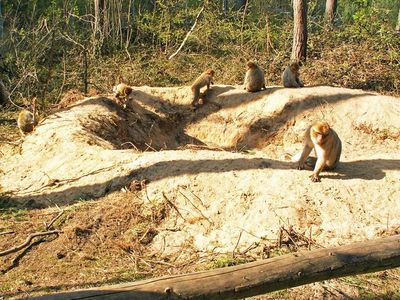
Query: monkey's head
210	72
319	131
251	65
295	66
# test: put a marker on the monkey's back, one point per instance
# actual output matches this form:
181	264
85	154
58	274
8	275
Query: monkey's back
254	80
335	152
25	121
201	81
289	78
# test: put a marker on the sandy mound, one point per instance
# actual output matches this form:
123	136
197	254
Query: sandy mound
95	147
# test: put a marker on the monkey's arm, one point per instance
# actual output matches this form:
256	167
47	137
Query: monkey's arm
299	82
306	152
318	168
209	82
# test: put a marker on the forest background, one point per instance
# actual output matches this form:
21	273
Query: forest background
50	47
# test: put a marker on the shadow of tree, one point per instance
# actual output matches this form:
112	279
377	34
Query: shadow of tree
264	127
373	169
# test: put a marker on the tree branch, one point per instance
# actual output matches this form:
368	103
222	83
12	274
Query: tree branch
187	35
27	242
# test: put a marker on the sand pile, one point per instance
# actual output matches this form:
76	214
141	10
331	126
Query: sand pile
225	167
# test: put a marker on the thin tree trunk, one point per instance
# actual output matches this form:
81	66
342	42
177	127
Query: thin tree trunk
299	49
330	11
225	6
96	16
4	95
1	22
240	4
398	23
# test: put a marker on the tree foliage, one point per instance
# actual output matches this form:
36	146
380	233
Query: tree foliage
48	47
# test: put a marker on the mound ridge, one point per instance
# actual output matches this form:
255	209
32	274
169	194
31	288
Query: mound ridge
223	166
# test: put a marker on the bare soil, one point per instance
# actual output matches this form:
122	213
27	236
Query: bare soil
157	188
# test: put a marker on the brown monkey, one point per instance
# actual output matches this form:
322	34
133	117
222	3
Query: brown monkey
254	80
122	91
205	79
27	120
327	145
290	77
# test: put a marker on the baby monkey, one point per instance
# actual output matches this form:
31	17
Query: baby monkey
290	77
205	79
327	145
122	92
254	79
27	120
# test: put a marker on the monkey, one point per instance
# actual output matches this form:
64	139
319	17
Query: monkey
290	77
27	120
205	79
327	146
122	91
254	80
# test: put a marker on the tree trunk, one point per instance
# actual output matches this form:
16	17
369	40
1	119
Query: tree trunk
240	4
330	11
398	23
1	22
4	95
225	6
258	277
299	49
96	16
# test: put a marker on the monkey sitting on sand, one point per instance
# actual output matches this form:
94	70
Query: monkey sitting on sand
254	79
205	79
328	147
290	77
27	120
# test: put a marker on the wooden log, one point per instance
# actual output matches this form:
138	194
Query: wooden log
258	277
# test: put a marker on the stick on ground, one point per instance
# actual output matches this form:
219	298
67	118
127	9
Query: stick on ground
27	242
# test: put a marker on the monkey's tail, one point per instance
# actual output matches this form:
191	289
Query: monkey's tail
296	157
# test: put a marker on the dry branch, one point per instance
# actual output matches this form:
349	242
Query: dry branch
6	232
55	219
27	242
187	35
257	277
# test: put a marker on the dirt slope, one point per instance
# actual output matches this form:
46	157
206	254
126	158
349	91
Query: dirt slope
225	167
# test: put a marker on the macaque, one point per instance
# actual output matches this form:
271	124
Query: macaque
290	77
205	79
327	146
27	120
254	80
122	91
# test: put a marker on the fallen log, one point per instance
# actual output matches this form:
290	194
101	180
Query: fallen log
258	277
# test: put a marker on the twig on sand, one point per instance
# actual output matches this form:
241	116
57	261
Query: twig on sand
54	219
201	213
132	144
149	147
27	241
173	206
237	244
6	232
